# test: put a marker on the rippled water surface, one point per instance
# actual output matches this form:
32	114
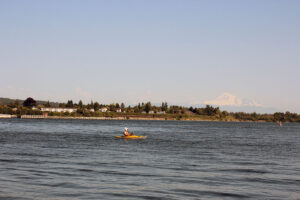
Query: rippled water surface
81	159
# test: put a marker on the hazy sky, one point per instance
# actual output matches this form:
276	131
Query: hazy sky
183	52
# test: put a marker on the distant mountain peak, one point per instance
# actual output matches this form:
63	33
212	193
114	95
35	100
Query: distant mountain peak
227	99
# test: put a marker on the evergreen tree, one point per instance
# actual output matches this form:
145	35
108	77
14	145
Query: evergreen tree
91	105
164	106
122	106
148	107
80	104
69	104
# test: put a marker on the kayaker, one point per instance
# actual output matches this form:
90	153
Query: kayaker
126	133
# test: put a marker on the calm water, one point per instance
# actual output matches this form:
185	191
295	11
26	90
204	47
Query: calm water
81	159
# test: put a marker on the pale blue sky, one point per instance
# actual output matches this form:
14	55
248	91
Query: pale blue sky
183	52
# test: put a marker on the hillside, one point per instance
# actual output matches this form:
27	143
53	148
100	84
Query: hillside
6	101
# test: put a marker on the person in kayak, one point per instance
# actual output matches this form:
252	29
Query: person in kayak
126	132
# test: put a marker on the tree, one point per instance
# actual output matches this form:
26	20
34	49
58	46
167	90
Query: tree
122	106
209	110
69	104
80	104
117	105
112	107
199	111
164	106
254	116
96	106
62	105
129	109
16	103
148	107
225	113
278	116
91	105
47	104
174	109
29	102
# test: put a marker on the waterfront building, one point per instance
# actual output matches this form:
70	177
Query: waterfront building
70	110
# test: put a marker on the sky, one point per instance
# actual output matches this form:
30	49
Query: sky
226	53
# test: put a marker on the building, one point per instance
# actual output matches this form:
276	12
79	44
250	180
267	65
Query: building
151	112
119	110
59	110
5	116
103	109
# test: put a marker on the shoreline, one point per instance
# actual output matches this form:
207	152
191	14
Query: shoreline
124	118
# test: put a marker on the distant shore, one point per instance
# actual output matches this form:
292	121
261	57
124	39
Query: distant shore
142	111
123	118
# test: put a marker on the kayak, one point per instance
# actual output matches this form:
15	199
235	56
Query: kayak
132	137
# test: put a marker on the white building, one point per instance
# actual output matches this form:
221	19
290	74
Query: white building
59	110
5	116
151	112
103	109
119	110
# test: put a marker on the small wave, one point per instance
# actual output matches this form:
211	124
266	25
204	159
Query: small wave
127	173
255	171
254	163
64	185
273	181
192	181
69	195
2	197
51	172
127	196
86	170
8	160
199	193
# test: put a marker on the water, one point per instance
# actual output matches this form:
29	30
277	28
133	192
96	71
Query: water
80	159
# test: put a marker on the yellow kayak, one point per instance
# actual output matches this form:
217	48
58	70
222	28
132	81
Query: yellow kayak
132	137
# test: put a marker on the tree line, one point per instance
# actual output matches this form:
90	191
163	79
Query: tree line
30	107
